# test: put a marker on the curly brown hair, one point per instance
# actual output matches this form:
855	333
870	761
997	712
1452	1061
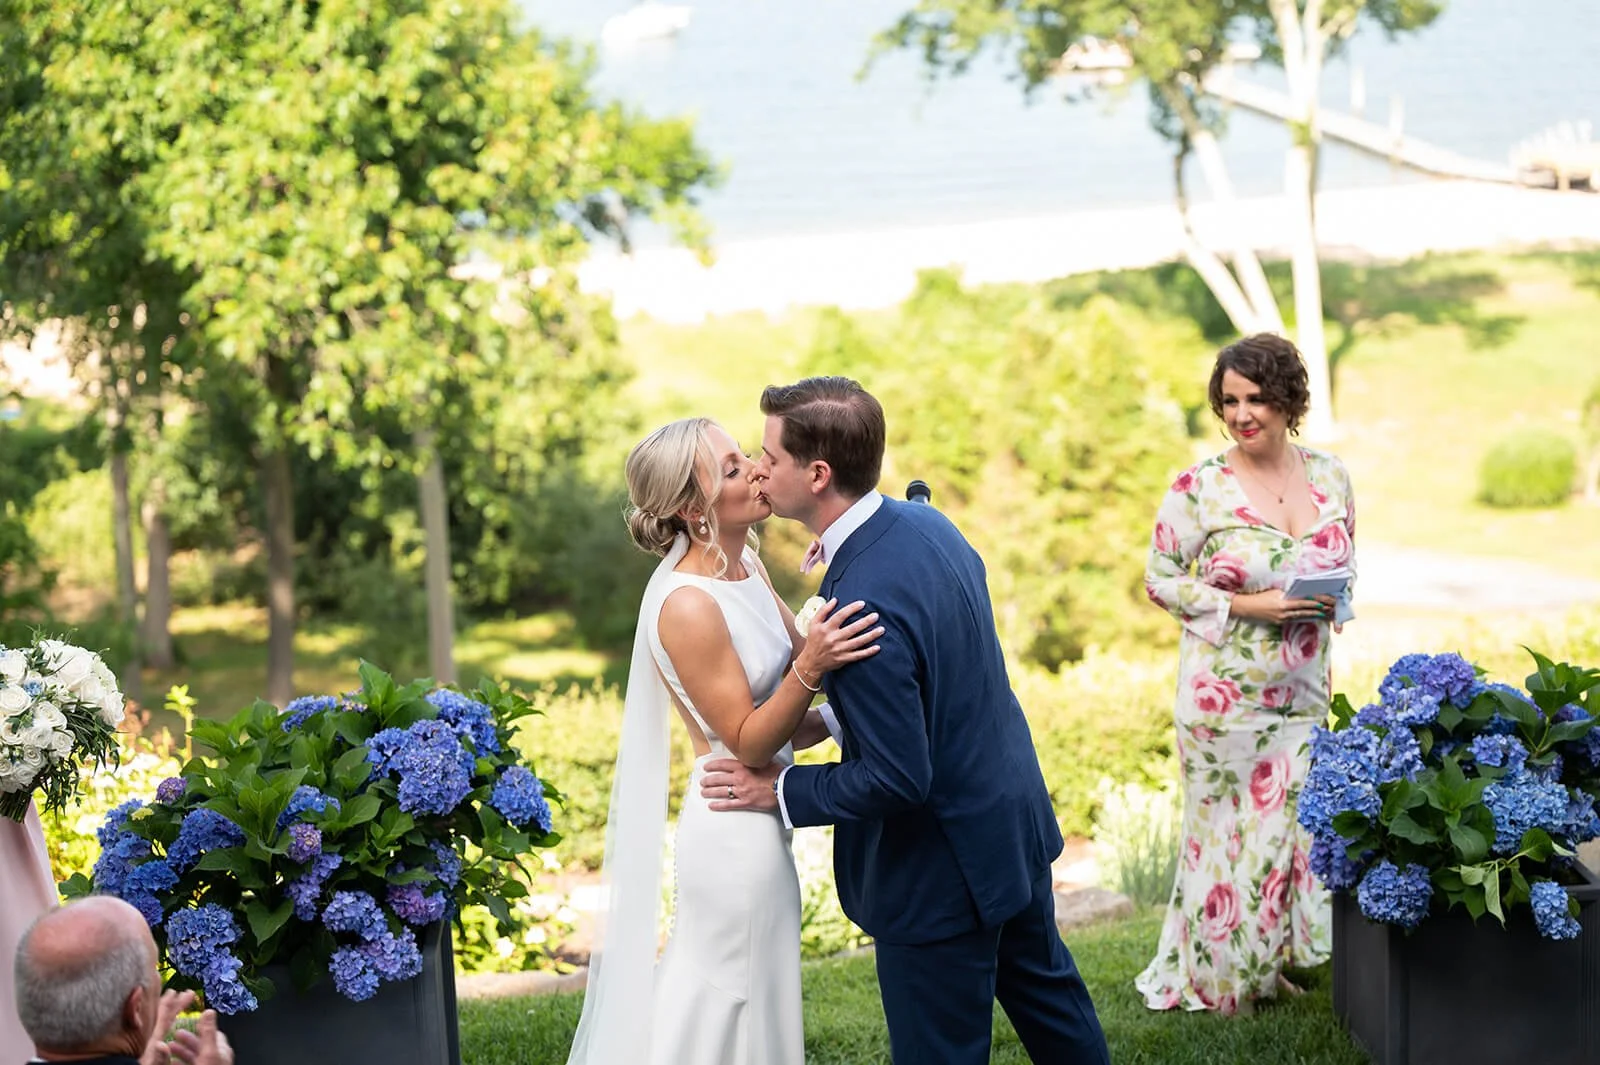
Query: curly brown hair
1274	365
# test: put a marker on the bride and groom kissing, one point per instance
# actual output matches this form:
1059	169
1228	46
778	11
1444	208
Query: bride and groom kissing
944	832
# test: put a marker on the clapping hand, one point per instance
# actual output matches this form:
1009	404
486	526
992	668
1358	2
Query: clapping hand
203	1046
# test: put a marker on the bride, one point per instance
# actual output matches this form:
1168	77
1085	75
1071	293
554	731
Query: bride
717	645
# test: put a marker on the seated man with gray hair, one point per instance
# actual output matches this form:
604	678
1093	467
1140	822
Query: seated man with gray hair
88	991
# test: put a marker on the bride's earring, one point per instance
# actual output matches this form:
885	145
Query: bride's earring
705	527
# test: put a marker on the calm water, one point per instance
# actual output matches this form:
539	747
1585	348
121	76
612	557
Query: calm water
810	148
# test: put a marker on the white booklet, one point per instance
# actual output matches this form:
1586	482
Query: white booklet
1334	582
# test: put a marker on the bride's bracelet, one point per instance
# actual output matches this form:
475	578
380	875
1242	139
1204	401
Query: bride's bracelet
795	669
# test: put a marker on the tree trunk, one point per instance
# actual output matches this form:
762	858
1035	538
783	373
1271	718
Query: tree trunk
277	481
122	539
1303	38
1246	264
157	639
436	531
1212	270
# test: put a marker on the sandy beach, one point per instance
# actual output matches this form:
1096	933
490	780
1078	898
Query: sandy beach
878	269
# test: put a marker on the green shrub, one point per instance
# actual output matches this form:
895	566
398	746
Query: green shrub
1136	837
1528	468
70	520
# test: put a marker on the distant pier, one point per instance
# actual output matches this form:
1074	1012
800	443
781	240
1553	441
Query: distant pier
1386	142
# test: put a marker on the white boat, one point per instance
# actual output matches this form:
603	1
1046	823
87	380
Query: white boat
647	21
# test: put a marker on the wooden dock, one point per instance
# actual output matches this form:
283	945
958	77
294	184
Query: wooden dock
1387	142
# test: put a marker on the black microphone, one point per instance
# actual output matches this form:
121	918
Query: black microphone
919	492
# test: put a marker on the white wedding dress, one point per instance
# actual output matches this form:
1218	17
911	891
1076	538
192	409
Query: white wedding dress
726	990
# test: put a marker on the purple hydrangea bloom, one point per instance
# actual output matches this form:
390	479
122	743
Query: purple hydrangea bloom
519	795
305	890
171	790
1552	912
471	719
394	957
353	974
306	799
305	842
295	714
1447	677
414	906
357	912
202	830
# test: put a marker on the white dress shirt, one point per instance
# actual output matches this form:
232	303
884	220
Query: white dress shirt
833	538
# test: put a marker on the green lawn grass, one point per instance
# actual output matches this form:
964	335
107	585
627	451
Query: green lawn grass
844	1017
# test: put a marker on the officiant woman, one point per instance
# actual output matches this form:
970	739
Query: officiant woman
1253	680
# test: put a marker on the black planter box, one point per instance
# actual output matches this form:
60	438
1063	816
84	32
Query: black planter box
411	1022
1466	993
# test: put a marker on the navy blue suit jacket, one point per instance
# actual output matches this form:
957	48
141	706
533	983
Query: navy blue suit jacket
944	821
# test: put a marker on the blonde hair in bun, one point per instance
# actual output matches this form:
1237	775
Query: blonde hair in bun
669	473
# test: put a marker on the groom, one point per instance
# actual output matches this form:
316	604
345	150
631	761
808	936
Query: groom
945	830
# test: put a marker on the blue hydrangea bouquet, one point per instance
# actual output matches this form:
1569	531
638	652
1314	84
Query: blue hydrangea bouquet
322	836
1450	791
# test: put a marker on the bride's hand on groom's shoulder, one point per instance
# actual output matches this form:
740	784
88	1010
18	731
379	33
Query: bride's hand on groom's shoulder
729	784
837	636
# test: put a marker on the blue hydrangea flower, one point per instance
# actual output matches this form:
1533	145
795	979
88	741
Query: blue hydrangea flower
353	974
435	770
519	795
1447	677
295	714
153	877
357	912
306	799
149	907
1399	755
224	991
394	957
1501	752
1327	860
117	862
305	891
1520	802
471	719
111	827
1344	775
1585	750
1416	706
305	842
413	905
171	790
1582	822
447	864
1374	715
202	830
1552	913
1395	896
196	936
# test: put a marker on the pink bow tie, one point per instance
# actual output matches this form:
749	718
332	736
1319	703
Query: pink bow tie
813	556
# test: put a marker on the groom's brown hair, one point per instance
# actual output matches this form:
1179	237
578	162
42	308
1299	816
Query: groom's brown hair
833	419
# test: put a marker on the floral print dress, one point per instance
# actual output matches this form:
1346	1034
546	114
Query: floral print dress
1244	903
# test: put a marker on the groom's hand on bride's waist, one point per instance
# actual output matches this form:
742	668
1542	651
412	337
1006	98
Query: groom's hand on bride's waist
729	784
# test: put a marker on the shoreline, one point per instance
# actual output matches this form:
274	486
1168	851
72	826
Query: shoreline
874	269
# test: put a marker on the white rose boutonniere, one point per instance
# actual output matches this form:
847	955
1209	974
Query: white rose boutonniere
808	611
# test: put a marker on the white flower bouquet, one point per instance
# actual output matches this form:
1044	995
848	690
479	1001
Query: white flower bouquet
59	708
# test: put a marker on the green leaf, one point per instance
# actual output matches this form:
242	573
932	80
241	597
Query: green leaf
212	734
1349	823
76	886
1343	712
352	769
1407	828
1471	875
360	810
1491	895
264	923
1537	844
233	860
1469	843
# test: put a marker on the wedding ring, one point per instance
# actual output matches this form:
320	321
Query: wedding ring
730	792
